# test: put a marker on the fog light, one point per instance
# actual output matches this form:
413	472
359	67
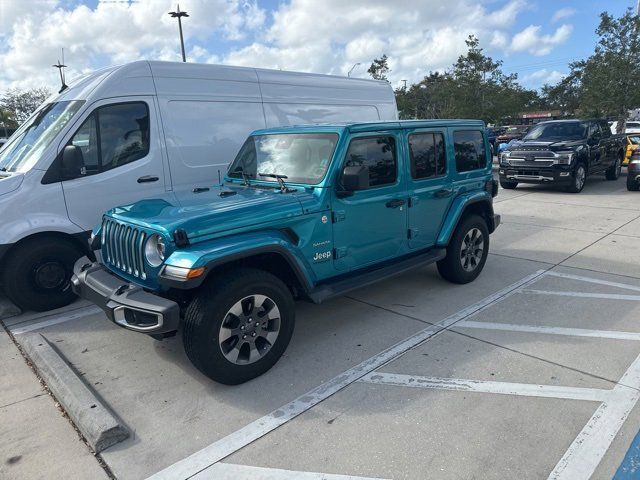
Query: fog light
565	174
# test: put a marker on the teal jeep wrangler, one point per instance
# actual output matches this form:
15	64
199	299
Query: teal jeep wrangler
307	212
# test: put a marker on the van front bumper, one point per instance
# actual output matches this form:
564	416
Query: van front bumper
126	304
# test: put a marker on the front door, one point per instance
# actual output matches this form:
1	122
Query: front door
429	186
120	160
371	225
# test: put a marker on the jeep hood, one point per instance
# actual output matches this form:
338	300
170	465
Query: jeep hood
208	213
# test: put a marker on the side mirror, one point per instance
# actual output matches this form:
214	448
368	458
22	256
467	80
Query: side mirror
355	178
72	162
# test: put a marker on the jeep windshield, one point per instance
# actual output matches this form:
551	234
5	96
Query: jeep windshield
556	131
25	146
300	157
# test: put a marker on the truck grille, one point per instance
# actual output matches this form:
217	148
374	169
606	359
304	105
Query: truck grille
533	163
123	247
525	151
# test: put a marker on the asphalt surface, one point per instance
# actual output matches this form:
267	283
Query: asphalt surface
531	371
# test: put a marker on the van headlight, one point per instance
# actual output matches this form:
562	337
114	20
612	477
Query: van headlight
154	250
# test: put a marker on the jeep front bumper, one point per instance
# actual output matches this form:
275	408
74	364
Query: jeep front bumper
126	304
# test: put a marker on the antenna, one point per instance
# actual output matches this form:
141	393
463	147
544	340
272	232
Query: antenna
61	67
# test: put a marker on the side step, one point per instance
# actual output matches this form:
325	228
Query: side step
357	280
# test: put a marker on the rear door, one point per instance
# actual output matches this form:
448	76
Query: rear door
121	159
371	225
429	185
471	155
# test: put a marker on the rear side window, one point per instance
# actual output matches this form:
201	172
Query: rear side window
427	155
112	136
470	150
377	153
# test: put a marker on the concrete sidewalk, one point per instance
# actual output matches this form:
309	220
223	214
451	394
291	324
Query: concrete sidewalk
37	440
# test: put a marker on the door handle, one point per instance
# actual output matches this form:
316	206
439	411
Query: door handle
148	179
445	192
395	203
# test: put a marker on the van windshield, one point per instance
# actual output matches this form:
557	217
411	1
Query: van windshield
25	146
300	157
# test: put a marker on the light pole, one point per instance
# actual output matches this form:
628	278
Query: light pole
178	14
351	70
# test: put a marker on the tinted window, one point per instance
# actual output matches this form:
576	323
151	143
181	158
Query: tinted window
470	151
377	153
427	154
112	136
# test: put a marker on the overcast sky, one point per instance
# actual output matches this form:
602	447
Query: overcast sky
534	38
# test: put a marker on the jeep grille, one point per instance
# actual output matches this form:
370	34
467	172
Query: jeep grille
123	247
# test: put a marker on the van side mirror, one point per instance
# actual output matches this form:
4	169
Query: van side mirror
355	178
72	162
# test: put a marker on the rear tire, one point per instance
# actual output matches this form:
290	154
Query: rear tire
632	184
507	185
579	178
227	324
613	172
467	252
36	275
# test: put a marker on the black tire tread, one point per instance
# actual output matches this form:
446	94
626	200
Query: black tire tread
449	267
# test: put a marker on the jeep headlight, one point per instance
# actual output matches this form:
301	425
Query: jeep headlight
563	158
154	250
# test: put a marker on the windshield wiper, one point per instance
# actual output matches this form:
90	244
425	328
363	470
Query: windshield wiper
3	169
280	179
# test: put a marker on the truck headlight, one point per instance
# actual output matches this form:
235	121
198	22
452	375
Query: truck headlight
504	158
154	250
563	158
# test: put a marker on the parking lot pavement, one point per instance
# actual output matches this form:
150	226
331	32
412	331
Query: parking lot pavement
37	441
531	371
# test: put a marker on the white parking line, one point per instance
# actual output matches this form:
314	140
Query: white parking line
481	386
228	471
560	293
73	315
224	447
570	332
591	444
593	280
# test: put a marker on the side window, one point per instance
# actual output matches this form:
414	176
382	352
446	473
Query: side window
594	132
470	150
377	153
112	136
427	155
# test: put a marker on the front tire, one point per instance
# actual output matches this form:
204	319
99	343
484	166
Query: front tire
467	252
507	185
579	179
239	325
613	172
36	274
632	184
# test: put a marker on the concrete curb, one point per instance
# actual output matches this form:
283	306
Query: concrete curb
100	427
8	309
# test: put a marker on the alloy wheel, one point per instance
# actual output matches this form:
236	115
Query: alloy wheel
471	250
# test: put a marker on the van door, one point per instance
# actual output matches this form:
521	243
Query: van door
429	185
371	225
119	160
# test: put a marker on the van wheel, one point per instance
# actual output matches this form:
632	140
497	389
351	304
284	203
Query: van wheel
239	325
467	252
36	275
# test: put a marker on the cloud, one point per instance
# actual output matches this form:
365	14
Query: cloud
531	41
542	77
563	13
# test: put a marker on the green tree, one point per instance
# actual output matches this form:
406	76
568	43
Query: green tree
379	68
6	123
22	103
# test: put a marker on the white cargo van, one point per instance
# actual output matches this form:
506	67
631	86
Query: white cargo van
140	130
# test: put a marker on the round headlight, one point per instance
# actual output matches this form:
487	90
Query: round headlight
154	250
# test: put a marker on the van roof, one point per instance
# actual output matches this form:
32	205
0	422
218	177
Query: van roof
357	127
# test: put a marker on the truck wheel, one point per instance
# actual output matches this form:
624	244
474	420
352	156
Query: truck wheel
36	275
508	185
632	184
613	172
239	325
467	252
579	179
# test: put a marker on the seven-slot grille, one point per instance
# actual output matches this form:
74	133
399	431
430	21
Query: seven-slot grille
123	247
